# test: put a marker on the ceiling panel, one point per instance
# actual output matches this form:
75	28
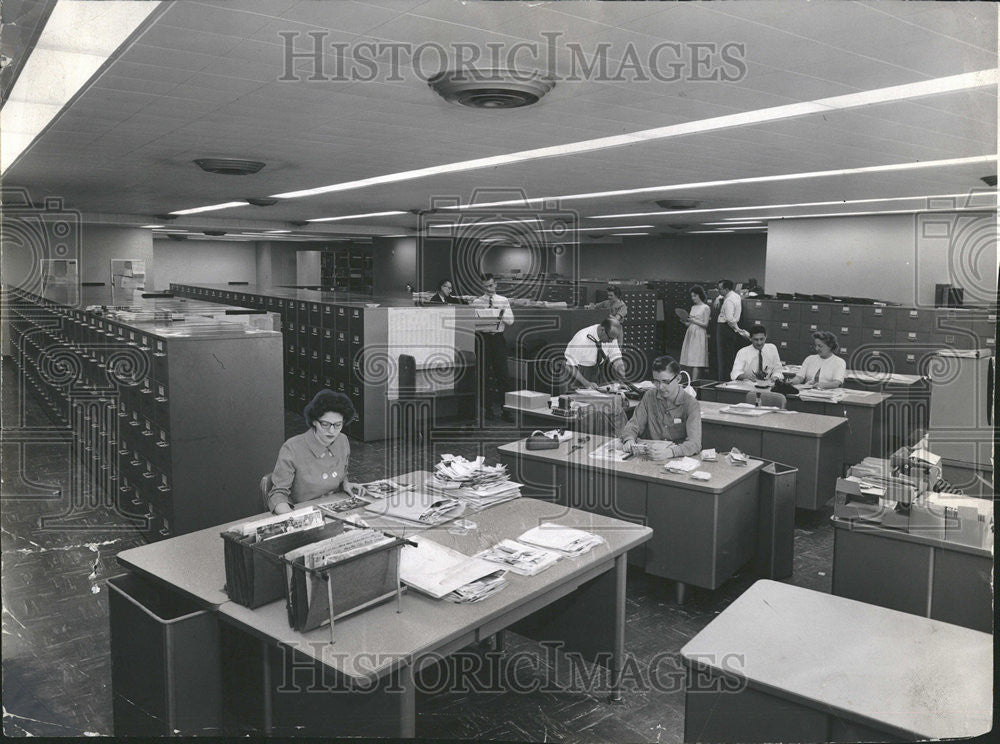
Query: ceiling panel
202	80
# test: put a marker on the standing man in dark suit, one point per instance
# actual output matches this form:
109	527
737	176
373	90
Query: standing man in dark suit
729	337
493	361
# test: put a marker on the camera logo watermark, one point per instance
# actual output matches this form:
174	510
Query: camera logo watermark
313	56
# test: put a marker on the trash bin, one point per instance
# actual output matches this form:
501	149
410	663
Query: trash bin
165	671
776	521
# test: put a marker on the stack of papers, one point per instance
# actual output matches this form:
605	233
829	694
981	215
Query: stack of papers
683	465
833	395
344	505
565	540
478	590
417	508
381	488
523	559
473	482
610	450
281	524
438	571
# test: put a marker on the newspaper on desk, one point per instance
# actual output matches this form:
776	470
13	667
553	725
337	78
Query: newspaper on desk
521	558
610	450
563	540
418	508
379	489
440	571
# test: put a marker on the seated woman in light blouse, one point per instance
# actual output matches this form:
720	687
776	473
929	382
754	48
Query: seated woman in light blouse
314	463
823	369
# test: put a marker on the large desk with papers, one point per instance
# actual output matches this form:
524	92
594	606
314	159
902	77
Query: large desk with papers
865	411
703	531
811	442
274	678
783	663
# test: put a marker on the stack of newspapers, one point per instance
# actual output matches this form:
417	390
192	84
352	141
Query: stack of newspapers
519	557
444	573
566	541
477	484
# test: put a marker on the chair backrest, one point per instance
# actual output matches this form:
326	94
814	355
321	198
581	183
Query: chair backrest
265	489
768	398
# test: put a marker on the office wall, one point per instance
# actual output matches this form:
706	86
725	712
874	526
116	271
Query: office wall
678	258
307	267
25	242
898	258
204	262
395	264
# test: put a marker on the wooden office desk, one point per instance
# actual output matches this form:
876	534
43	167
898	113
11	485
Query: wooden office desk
783	663
274	673
810	442
939	579
865	411
703	531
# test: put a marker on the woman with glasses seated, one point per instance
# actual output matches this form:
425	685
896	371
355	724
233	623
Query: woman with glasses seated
314	463
667	421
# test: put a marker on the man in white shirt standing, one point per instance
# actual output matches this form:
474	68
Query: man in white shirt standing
758	361
493	359
589	348
728	334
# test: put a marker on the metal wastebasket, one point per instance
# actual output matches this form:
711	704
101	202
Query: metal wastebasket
776	521
165	672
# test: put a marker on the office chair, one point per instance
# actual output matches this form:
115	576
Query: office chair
265	488
767	398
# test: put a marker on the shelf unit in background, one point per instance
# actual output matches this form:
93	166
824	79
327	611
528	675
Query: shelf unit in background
173	425
348	269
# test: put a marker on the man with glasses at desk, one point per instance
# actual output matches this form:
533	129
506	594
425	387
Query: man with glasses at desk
667	421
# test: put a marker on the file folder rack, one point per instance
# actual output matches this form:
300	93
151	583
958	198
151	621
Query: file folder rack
349	588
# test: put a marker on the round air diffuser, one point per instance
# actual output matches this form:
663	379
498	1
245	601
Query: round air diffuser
229	166
491	89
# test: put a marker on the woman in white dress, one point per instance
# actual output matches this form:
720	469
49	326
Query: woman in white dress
694	351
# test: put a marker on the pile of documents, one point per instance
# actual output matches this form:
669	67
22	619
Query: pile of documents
475	483
417	508
748	409
381	488
566	541
833	395
683	465
281	524
444	573
521	558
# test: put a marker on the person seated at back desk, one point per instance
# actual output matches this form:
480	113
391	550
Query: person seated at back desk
823	369
667	421
589	349
758	361
314	463
615	306
443	296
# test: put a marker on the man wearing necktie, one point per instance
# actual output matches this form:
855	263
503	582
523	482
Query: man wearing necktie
493	359
591	349
758	361
728	334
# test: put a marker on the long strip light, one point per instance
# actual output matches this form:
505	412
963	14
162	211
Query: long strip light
951	83
672	212
978	159
595	229
212	207
702	232
357	216
877	212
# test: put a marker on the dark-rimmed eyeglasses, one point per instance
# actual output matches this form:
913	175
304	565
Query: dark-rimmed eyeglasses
330	425
665	382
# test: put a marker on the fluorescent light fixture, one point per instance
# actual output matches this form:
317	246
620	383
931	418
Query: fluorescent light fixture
702	232
356	216
595	229
758	228
150	227
734	221
673	212
978	159
966	81
397	235
631	233
476	223
212	207
877	212
276	232
76	40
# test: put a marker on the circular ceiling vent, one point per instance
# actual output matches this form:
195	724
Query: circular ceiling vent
677	204
214	233
491	89
229	166
260	201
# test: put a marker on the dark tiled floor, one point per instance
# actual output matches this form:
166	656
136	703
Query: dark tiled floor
56	663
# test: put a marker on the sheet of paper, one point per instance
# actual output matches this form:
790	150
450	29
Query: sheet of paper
437	570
